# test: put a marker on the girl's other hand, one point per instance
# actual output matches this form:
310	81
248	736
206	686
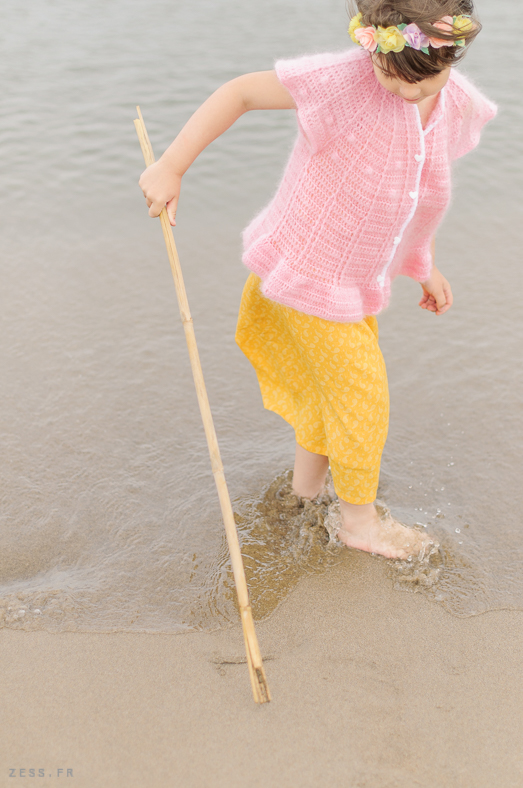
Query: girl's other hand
161	185
437	294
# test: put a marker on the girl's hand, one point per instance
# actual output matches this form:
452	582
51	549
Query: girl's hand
437	295
161	185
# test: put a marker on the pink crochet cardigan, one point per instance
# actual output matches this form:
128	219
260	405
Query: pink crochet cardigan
364	190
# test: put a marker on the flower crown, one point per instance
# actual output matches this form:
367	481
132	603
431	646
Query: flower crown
396	38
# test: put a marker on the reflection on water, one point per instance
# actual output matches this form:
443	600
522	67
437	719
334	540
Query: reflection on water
109	515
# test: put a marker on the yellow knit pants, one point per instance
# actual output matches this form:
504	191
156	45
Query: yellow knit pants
327	380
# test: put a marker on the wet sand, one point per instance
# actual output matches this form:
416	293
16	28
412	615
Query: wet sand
370	688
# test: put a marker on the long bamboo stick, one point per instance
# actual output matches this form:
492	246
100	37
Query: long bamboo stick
260	688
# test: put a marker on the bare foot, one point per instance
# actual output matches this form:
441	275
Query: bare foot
362	528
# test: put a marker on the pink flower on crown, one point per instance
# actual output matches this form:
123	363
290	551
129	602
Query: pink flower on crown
447	25
367	38
415	37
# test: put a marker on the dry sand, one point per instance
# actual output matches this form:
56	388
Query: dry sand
371	688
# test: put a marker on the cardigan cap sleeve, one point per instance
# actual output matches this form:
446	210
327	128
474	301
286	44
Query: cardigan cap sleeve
320	86
470	111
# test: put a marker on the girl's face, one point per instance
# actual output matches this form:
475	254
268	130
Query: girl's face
412	93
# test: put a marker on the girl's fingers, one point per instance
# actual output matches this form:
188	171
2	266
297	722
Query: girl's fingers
427	301
155	209
440	298
448	294
449	299
431	304
171	211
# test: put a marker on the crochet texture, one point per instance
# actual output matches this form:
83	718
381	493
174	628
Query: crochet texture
364	189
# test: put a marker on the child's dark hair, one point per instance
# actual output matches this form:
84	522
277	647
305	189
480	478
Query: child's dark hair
412	65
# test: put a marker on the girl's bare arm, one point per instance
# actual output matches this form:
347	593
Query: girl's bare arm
161	181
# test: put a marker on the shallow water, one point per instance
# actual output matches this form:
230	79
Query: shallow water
110	518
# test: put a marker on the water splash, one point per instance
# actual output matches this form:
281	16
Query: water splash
283	538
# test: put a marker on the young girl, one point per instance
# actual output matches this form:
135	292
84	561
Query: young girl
364	190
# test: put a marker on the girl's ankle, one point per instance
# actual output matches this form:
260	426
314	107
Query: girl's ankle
307	495
356	518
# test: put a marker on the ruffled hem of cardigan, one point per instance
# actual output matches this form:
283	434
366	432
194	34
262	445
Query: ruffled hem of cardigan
336	303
